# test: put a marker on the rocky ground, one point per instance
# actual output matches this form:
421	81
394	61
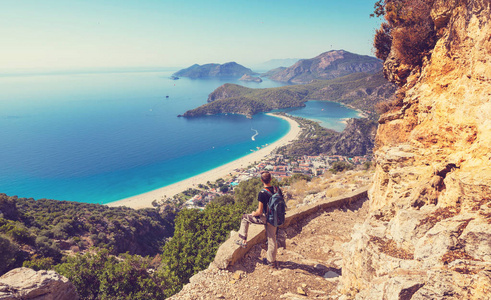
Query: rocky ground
326	186
309	266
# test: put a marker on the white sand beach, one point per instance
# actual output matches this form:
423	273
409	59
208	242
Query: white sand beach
145	200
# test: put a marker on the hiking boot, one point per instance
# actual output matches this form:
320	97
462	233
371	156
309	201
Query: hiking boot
273	265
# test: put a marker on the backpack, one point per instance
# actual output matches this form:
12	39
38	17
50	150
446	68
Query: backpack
276	209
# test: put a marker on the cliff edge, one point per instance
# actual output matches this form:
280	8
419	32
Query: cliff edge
428	233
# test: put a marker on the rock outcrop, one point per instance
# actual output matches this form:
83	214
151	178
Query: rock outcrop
328	65
25	284
428	234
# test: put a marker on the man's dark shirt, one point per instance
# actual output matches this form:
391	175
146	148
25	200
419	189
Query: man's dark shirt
264	197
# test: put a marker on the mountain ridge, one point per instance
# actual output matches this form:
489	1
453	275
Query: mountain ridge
328	65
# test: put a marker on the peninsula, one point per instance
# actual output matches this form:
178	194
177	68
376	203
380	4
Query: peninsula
359	90
328	65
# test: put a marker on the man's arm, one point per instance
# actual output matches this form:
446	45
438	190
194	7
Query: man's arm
259	210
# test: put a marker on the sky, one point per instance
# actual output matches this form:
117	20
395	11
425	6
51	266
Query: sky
70	34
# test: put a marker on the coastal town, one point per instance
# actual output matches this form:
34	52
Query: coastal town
279	166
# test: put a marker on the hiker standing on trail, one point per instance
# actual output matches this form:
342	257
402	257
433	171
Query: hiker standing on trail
259	217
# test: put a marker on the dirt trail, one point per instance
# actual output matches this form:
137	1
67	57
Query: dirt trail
309	266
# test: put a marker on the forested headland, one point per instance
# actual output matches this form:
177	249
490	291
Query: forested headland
358	90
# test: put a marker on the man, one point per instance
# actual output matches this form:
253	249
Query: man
259	217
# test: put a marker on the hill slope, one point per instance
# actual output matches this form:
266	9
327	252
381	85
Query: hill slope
328	65
357	139
44	228
309	265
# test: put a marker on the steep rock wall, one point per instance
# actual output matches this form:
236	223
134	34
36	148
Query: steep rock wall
428	235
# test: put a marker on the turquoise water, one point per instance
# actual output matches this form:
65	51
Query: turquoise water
98	138
329	114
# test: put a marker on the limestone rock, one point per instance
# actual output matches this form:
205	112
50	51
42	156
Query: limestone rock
25	283
428	235
301	291
478	239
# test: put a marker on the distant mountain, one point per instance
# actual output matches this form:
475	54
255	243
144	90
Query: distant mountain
328	65
359	90
276	63
273	72
230	69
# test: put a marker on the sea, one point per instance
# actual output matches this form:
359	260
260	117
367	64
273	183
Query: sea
101	136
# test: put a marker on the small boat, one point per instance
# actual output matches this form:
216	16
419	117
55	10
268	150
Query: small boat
167	96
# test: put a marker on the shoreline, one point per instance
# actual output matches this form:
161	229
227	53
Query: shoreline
145	200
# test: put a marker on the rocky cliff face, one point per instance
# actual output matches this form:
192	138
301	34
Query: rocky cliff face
428	235
328	65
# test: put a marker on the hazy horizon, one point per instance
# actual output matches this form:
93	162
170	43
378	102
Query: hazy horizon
64	35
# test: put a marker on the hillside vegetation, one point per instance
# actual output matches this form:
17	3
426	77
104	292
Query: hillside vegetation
39	232
118	253
359	90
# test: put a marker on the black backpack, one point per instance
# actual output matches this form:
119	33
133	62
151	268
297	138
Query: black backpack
276	209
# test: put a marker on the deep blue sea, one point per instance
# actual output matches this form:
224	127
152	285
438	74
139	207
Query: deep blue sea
101	137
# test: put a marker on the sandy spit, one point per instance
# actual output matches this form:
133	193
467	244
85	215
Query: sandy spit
145	200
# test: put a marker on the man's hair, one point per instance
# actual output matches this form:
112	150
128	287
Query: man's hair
266	177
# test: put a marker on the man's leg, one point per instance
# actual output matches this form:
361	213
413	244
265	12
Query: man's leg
272	245
244	224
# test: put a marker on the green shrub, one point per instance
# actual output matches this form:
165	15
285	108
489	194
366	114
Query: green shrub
18	232
102	276
294	178
340	166
197	236
39	263
408	30
9	253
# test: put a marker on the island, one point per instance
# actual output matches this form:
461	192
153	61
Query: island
230	69
250	78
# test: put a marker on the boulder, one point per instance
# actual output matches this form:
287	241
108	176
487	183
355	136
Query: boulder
25	284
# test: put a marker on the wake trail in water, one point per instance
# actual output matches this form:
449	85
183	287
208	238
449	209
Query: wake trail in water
254	136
